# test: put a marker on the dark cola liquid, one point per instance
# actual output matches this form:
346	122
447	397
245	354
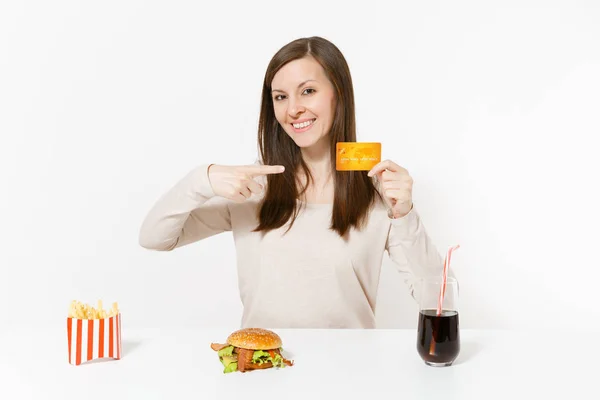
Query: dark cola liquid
438	338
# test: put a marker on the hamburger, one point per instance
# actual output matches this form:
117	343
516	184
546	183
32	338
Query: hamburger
249	349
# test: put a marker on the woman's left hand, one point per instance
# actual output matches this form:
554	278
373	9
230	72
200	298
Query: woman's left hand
395	185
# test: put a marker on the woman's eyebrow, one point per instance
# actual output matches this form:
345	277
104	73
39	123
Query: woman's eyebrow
300	85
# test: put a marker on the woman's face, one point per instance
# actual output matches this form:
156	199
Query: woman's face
304	101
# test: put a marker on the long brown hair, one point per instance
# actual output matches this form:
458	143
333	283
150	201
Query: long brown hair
354	190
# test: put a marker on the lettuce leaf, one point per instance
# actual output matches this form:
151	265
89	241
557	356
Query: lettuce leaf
230	364
278	361
226	351
228	360
259	357
232	367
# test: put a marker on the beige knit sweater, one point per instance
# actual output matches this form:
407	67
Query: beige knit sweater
308	278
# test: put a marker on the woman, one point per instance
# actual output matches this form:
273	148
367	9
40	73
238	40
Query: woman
309	239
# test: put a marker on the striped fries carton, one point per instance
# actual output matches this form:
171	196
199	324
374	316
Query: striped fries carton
93	334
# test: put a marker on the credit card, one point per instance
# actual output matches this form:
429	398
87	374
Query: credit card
357	156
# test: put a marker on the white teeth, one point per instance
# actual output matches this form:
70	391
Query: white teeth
303	125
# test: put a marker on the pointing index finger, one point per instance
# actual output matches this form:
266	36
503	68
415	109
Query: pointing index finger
257	170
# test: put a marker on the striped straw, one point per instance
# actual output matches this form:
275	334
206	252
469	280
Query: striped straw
445	278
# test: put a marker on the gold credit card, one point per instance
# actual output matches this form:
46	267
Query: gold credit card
357	156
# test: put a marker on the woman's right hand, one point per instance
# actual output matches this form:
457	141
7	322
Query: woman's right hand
237	182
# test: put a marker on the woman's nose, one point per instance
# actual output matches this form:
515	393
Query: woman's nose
295	108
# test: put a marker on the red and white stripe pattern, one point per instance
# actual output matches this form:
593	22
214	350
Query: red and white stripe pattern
94	338
445	278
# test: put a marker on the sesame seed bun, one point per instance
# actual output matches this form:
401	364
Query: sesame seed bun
255	339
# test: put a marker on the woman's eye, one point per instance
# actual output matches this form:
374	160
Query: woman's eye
309	89
278	97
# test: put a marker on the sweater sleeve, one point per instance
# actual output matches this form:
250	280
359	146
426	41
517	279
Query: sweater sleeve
187	213
412	251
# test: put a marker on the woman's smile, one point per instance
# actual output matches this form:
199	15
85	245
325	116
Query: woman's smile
303	125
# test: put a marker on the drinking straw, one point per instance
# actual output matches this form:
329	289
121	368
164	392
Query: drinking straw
445	278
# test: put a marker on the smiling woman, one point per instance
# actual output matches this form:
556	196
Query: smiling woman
308	91
309	239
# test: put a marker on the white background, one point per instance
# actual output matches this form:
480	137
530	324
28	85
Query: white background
493	108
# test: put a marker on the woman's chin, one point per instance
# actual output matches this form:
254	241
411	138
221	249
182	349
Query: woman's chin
303	143
308	140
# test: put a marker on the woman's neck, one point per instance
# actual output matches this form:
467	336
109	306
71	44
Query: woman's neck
318	160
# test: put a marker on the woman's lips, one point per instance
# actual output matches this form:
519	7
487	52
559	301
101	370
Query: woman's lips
305	128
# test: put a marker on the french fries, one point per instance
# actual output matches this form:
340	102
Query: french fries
85	311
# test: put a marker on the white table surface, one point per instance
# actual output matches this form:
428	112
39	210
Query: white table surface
179	364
